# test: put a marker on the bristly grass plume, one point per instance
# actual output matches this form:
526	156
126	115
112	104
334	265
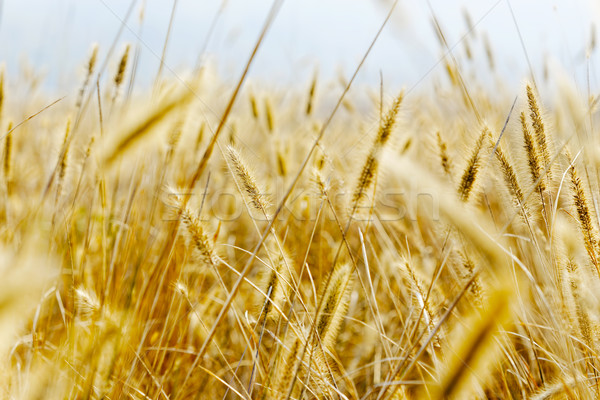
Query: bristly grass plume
322	242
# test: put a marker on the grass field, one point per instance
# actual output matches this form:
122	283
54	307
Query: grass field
206	239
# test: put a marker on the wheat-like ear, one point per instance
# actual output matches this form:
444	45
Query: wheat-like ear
510	177
370	167
583	320
471	352
278	283
386	128
588	229
322	374
452	73
445	160
334	305
281	162
175	134
89	71
62	165
92	61
173	139
367	176
475	287
269	115
253	105
248	180
422	300
561	389
469	175
533	158
120	75
198	237
7	164
286	365
321	184
232	133
311	95
538	127
272	287
143	126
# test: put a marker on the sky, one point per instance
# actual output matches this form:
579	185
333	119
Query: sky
53	37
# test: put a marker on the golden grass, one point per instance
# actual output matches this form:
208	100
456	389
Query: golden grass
407	261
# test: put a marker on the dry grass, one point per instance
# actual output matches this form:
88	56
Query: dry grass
150	250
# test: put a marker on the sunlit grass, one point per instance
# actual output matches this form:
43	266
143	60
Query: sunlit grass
210	239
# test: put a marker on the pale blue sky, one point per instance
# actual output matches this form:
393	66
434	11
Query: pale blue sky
55	35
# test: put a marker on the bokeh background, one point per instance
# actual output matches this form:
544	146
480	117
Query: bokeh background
53	38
